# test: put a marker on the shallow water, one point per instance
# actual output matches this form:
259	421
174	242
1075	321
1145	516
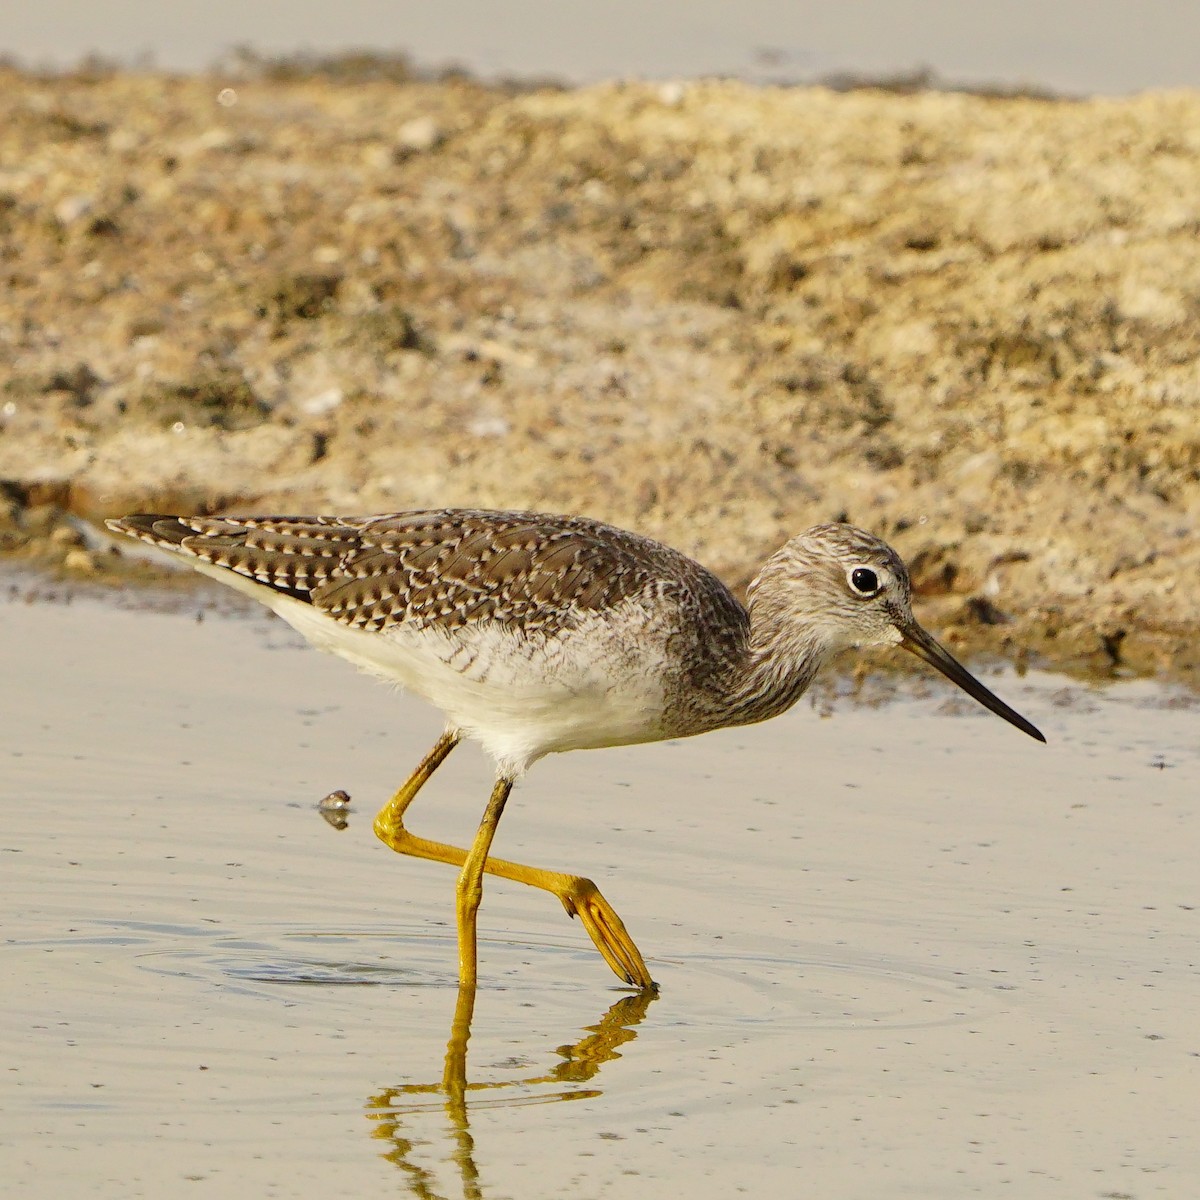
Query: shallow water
903	950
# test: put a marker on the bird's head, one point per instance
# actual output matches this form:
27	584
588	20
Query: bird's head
837	586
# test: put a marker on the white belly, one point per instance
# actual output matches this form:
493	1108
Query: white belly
520	697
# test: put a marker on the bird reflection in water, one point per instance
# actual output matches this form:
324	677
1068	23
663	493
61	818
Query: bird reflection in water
393	1109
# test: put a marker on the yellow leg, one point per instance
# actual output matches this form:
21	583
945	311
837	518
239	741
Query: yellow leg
468	896
391	816
469	891
579	896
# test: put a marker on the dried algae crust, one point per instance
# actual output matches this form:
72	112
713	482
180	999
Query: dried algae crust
710	312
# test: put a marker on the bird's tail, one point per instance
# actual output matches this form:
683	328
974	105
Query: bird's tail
155	528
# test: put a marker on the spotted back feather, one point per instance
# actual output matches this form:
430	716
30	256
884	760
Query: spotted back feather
443	568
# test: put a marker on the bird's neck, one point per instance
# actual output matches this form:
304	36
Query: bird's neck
779	660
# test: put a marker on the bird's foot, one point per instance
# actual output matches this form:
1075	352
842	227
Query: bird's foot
581	898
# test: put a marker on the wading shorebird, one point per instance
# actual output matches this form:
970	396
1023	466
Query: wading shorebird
535	634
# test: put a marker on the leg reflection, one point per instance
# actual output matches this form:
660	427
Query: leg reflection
454	1073
393	1108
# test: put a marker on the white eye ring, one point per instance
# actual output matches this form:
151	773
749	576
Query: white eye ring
864	581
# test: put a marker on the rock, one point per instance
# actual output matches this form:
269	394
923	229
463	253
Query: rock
418	136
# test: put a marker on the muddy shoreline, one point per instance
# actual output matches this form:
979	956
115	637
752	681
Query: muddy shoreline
711	312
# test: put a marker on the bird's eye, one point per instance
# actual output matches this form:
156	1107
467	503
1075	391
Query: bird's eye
864	581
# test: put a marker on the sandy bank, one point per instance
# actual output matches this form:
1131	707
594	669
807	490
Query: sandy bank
711	312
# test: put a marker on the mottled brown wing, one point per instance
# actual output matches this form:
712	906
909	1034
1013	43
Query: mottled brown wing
448	569
443	568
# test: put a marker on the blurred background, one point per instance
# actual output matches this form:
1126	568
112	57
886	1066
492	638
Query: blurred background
1074	46
369	257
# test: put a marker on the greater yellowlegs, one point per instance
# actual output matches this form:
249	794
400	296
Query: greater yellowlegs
536	633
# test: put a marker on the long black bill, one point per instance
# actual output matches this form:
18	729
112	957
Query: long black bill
915	640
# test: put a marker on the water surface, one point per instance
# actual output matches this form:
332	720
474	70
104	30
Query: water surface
903	950
1080	46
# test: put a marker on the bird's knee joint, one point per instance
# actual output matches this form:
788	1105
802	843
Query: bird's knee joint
389	828
470	895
